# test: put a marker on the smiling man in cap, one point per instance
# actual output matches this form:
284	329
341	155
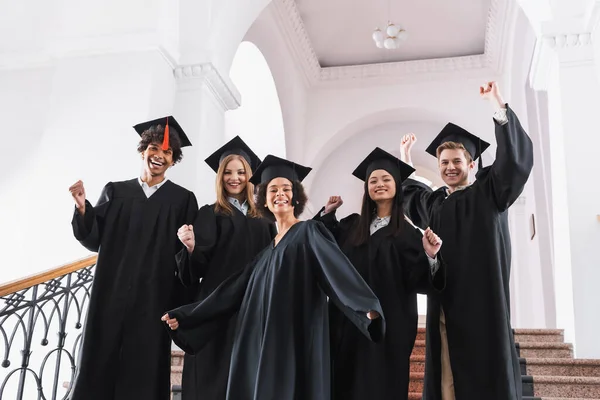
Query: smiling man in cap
125	352
470	346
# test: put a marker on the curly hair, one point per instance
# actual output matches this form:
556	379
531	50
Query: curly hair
299	198
155	134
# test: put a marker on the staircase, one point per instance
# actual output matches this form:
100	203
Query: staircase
547	365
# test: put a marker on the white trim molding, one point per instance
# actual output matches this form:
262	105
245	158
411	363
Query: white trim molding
190	77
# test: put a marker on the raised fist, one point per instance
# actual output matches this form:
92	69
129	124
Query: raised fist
78	192
333	204
186	235
431	243
407	142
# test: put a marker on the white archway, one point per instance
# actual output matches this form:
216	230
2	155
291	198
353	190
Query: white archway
259	119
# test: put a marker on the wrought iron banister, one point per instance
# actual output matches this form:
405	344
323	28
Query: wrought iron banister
41	320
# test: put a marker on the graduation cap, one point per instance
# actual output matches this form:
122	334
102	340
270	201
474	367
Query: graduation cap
454	133
381	159
274	167
171	128
234	146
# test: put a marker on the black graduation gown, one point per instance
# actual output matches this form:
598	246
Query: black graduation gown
474	226
126	352
224	245
281	345
395	267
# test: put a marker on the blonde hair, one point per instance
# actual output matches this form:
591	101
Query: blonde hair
454	146
223	205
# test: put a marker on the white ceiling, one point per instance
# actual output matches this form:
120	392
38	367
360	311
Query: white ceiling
340	30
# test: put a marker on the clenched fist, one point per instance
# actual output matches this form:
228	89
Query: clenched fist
490	91
186	235
333	204
78	192
431	243
172	322
406	144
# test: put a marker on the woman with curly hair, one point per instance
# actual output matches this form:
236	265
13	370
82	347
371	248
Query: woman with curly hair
281	344
225	237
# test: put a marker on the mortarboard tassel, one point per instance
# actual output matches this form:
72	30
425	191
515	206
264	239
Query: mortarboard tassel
165	145
480	155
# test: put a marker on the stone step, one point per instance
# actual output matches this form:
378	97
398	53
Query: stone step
525	335
525	350
567	387
545	350
418	396
543	386
561	367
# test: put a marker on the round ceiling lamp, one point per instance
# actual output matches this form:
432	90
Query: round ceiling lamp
392	38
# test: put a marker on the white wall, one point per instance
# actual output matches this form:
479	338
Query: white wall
78	126
258	121
291	89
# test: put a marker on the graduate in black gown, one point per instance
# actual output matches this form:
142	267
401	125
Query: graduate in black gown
470	346
225	237
390	254
281	346
126	353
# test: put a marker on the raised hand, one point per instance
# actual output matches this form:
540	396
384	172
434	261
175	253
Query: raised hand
78	192
333	204
431	243
172	322
186	236
406	145
490	91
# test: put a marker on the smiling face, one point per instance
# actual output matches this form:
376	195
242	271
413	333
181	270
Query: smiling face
156	160
279	197
454	167
235	178
381	185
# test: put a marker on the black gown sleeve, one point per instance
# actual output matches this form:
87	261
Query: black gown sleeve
344	286
330	221
88	229
200	322
505	179
192	267
418	201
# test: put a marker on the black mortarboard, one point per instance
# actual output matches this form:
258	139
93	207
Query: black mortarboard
171	127
381	159
454	133
274	167
234	146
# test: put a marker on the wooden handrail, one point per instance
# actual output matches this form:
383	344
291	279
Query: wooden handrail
41	277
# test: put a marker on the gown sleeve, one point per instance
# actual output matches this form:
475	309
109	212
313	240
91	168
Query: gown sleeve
200	322
505	179
192	267
88	228
418	201
344	286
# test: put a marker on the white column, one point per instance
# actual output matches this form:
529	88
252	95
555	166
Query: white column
202	97
567	69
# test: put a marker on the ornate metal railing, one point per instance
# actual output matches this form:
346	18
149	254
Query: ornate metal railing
41	320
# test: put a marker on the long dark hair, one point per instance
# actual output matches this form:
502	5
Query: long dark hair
368	211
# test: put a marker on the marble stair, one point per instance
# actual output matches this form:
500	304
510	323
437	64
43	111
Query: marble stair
548	369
